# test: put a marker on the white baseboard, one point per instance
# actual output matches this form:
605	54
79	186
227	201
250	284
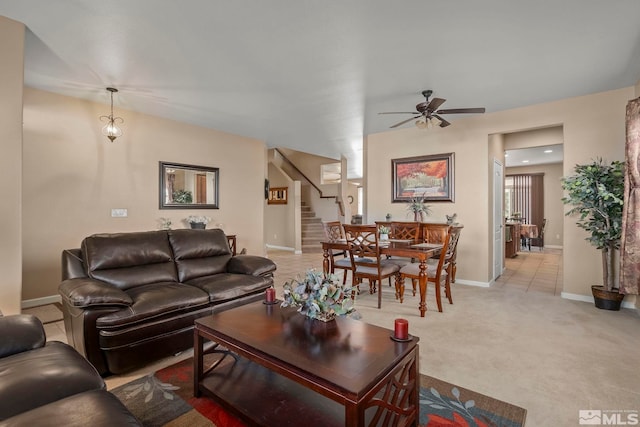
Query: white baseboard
553	246
473	283
284	248
589	299
28	303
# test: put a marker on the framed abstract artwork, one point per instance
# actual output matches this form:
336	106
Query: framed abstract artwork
428	177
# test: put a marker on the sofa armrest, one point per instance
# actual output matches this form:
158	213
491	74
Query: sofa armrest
72	264
20	332
85	292
251	264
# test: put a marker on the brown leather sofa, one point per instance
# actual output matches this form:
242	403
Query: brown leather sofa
131	298
49	383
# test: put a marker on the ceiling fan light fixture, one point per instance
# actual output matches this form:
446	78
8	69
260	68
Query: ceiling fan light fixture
422	123
111	129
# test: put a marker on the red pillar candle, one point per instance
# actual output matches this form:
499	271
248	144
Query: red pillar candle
401	330
271	295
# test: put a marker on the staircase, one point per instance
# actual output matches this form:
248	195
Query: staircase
312	232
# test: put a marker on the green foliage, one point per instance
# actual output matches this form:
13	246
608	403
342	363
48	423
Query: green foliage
417	204
596	192
318	295
182	196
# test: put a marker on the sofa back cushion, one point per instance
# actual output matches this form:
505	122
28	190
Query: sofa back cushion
199	253
127	260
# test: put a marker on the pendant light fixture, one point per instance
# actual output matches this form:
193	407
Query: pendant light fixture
111	130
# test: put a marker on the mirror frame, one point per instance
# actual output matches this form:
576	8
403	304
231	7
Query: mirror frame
163	186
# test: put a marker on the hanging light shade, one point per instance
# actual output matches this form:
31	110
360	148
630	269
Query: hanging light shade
421	123
111	129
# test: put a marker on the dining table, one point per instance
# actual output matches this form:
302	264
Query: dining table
415	249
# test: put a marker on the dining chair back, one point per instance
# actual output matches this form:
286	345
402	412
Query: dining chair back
405	230
338	259
366	260
434	233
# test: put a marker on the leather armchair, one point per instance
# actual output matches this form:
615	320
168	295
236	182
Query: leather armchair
49	383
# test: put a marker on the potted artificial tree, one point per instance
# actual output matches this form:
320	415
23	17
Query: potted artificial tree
596	193
419	208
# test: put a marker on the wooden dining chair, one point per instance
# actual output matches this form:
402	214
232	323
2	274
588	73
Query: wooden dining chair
437	272
404	230
366	260
339	259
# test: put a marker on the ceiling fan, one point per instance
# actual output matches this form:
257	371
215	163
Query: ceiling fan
428	114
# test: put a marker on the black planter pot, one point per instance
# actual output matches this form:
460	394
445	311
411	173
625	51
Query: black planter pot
198	225
607	300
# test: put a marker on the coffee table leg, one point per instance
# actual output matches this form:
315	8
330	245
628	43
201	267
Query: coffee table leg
198	343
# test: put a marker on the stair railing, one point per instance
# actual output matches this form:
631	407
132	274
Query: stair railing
322	196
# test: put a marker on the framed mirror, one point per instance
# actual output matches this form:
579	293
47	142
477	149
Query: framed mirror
188	186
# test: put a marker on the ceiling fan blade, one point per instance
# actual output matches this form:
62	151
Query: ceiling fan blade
461	110
443	122
399	112
404	121
434	104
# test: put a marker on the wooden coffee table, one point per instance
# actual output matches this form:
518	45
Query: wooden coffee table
285	369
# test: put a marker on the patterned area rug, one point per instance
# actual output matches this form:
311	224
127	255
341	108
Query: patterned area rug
165	398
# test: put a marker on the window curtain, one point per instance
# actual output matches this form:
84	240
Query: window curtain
630	242
528	199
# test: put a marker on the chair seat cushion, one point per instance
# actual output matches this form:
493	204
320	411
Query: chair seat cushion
346	262
228	286
413	270
155	300
386	269
401	261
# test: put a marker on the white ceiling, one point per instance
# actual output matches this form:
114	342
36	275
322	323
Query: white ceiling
534	156
313	76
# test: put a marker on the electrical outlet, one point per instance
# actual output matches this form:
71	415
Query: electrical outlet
119	213
557	236
275	236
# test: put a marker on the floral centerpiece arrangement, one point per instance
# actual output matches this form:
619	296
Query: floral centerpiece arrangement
383	230
198	221
320	296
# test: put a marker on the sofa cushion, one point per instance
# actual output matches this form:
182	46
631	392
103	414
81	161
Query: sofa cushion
228	286
34	378
155	300
128	260
96	408
199	253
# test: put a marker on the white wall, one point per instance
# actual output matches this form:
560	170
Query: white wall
73	177
593	127
11	83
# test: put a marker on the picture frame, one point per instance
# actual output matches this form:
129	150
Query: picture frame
430	177
185	186
278	195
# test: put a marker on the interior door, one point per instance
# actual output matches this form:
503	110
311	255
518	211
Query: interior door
498	219
201	188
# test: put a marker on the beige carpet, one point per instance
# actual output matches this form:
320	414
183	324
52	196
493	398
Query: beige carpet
517	341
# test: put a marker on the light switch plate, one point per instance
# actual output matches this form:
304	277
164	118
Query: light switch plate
119	213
